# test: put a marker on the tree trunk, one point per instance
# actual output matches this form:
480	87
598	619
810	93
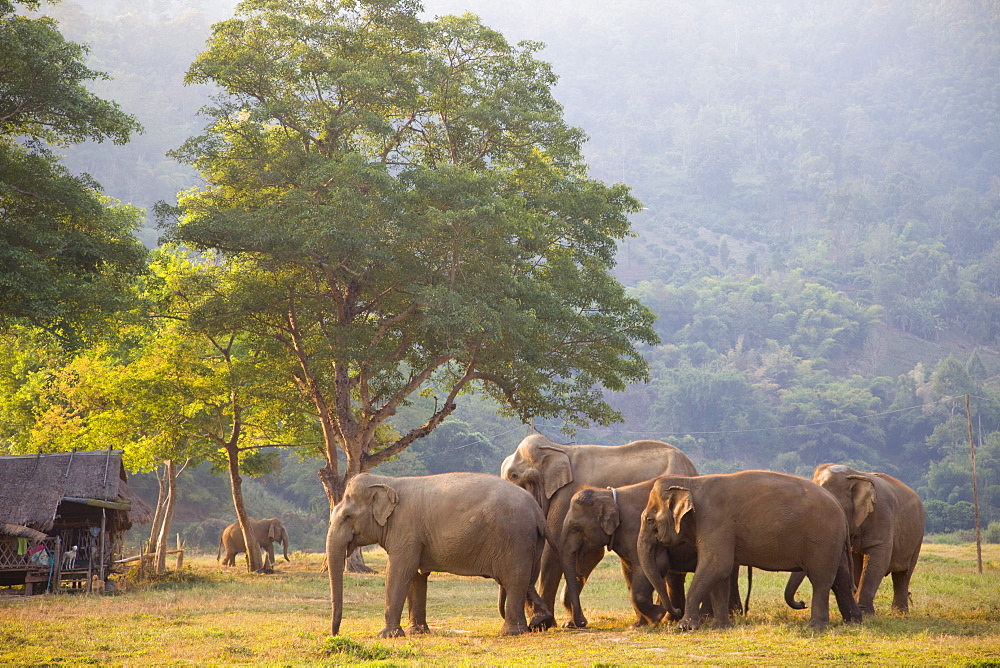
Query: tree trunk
356	563
161	505
162	541
334	486
254	562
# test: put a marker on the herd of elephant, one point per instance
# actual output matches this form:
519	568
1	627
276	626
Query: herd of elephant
556	508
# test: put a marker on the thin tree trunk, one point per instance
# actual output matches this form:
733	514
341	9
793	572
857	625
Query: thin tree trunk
170	473
161	505
254	562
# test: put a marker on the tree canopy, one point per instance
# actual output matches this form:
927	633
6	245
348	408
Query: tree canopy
411	212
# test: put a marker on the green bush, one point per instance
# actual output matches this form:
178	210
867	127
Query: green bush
992	533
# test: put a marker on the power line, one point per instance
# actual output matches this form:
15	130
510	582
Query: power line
851	418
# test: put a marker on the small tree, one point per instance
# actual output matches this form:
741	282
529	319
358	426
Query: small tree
410	212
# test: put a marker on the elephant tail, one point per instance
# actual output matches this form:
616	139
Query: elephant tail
746	601
794	580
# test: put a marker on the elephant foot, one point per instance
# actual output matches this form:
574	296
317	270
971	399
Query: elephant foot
689	624
543	622
513	630
819	624
418	629
576	623
392	632
640	623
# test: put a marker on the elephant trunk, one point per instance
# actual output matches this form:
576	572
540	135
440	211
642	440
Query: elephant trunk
649	550
570	551
794	580
284	545
337	550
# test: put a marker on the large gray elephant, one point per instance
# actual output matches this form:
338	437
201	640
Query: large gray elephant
462	523
772	521
267	532
611	518
553	473
886	520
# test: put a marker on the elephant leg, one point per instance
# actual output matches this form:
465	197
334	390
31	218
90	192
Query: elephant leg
843	589
541	618
707	577
734	604
822	581
675	590
399	574
270	556
416	603
585	565
551	574
876	566
858	564
647	612
901	591
720	601
514	621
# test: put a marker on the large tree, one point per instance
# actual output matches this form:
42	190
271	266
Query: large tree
66	252
413	214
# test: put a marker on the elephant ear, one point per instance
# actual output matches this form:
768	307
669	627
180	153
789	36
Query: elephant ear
681	505
863	496
610	518
556	470
384	500
274	531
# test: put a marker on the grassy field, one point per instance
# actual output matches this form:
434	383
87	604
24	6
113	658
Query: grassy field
207	614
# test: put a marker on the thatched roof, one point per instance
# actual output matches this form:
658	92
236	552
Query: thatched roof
19	531
33	486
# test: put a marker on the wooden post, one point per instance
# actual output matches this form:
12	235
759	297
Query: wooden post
975	488
103	527
180	553
57	567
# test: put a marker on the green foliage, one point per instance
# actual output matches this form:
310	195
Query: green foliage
67	253
361	652
945	517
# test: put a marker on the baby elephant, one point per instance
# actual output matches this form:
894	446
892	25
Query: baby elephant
461	523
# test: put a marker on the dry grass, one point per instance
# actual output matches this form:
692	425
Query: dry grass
208	614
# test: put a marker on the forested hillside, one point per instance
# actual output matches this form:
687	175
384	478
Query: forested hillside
821	232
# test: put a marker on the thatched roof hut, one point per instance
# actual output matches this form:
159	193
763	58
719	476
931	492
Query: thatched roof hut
81	498
33	486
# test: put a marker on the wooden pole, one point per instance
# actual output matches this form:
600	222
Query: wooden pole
975	488
57	570
103	545
180	553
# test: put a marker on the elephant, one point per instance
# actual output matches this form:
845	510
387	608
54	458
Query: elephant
462	523
767	520
553	473
267	532
886	520
611	517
